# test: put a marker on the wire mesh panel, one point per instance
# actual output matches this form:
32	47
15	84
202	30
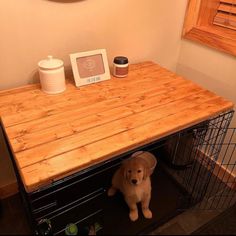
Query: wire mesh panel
221	191
202	160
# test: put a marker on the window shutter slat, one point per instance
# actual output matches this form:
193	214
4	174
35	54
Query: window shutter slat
227	1
220	20
226	14
227	8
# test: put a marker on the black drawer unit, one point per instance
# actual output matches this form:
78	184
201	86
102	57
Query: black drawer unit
71	189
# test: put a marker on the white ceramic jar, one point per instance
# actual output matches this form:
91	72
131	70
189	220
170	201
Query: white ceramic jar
52	75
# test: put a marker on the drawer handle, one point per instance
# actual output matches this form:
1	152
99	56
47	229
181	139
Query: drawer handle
53	204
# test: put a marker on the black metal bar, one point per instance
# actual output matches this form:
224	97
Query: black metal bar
22	191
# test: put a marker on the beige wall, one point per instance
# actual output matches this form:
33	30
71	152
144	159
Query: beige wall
210	68
32	29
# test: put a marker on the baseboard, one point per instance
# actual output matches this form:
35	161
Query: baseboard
219	170
224	174
8	190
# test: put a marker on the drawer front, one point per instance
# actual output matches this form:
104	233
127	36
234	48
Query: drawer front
72	191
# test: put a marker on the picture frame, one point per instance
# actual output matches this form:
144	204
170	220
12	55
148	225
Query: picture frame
90	67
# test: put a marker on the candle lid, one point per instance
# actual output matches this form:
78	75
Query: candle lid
121	60
50	63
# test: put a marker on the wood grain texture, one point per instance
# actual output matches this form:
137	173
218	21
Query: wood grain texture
52	136
199	27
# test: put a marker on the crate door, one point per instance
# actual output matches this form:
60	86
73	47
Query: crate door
220	191
202	161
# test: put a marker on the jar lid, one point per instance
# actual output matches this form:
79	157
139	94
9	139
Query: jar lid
121	60
50	63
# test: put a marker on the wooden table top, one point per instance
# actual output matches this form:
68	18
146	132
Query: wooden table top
52	136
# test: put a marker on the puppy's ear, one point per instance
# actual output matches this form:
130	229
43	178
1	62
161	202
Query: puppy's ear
146	171
124	169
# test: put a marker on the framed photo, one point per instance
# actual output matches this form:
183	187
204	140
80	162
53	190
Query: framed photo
90	67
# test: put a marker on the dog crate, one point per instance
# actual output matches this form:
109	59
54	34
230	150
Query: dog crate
202	160
195	169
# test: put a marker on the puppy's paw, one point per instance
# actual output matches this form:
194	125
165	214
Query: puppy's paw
147	213
111	192
133	215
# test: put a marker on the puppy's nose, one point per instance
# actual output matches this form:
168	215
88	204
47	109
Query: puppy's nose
134	181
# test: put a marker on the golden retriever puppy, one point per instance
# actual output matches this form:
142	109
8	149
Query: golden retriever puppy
133	180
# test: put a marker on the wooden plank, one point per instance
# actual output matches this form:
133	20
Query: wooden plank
63	145
164	90
34	101
20	96
229	1
34	109
227	8
22	89
54	136
225	20
120	99
141	65
18	100
51	169
29	140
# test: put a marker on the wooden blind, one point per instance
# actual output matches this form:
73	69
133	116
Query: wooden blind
226	14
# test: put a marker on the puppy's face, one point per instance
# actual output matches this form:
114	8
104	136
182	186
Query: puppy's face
135	170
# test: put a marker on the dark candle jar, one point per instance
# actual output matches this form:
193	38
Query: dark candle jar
120	66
